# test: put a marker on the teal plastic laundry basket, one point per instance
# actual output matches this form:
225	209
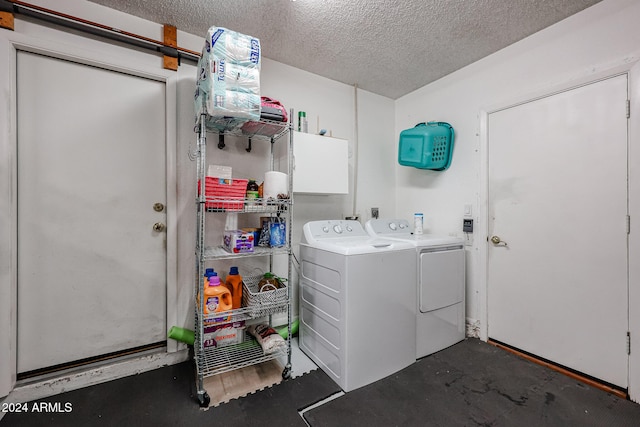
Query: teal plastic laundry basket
427	146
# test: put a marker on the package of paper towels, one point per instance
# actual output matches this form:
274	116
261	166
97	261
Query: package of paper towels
275	183
228	81
236	48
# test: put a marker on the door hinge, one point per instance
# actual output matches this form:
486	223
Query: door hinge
628	342
628	108
628	224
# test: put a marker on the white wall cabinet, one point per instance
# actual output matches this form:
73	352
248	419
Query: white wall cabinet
321	164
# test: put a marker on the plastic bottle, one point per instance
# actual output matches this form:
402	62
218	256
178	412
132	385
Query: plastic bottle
252	189
234	284
269	282
418	222
251	194
207	274
216	297
302	118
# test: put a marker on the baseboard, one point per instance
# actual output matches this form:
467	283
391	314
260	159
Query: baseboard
571	374
473	328
39	388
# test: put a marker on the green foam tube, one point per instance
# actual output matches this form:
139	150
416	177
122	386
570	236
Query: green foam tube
181	334
283	332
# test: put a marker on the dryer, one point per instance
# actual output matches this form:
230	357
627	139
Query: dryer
440	285
357	302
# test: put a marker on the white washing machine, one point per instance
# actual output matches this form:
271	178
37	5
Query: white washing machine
357	302
440	283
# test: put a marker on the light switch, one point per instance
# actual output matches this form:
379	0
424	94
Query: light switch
468	210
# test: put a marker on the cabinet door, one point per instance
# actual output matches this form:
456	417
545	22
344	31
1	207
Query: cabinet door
321	164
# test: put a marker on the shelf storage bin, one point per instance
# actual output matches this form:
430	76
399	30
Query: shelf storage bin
266	302
222	193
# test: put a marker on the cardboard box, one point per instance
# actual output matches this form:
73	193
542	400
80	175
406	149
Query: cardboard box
238	241
223	172
223	335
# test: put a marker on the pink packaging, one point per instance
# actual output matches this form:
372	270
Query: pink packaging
223	335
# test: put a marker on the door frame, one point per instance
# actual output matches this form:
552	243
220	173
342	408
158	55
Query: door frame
630	67
123	61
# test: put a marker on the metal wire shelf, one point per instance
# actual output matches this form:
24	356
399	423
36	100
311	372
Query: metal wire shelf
225	204
217	360
212	253
263	129
256	304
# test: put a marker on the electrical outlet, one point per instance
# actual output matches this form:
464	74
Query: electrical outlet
374	213
468	239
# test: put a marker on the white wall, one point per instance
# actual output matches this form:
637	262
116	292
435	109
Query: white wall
332	102
376	154
583	44
601	37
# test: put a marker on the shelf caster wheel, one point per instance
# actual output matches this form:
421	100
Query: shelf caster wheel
286	374
204	400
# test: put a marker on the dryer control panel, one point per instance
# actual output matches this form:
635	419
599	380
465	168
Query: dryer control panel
317	230
389	227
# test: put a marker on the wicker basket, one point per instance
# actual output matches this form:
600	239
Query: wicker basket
266	302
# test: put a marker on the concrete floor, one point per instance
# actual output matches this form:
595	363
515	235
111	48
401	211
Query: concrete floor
471	383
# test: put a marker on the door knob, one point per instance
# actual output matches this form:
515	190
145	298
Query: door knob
158	226
496	241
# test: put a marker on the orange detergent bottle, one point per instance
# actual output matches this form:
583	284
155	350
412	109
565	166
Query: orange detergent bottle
216	297
234	284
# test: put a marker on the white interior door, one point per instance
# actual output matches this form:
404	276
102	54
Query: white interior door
558	198
91	165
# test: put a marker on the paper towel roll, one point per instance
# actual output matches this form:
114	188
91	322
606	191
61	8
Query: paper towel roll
234	47
233	104
242	79
275	183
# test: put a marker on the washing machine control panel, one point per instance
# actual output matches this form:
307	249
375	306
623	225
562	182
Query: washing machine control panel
315	230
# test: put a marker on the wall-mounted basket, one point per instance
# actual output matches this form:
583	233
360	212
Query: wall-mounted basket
426	146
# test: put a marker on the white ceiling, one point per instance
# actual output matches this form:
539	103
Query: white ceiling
386	47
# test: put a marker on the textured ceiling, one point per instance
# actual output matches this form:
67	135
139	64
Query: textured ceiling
387	47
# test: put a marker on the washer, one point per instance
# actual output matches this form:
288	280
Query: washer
357	302
440	260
